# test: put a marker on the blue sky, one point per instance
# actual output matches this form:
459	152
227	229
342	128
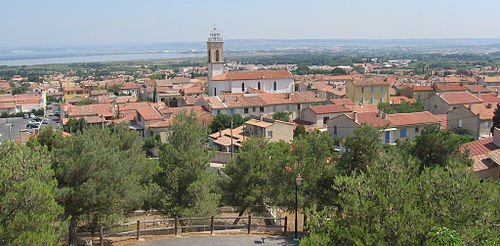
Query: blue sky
113	22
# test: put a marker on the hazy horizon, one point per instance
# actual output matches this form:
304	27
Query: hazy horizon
56	23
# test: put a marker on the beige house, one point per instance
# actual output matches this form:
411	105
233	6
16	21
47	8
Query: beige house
417	92
486	156
444	102
273	130
320	114
368	90
474	119
400	126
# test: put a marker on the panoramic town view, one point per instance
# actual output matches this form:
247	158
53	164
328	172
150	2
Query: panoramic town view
250	123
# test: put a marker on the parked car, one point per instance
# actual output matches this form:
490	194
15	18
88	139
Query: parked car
33	125
32	115
26	116
38	119
45	121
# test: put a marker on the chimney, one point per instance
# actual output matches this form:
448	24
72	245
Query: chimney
220	133
355	116
479	95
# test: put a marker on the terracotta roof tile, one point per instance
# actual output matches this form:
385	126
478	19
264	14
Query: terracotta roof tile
479	147
403	119
149	113
462	97
329	108
370	81
253	75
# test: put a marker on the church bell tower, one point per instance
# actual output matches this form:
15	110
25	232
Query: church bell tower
215	49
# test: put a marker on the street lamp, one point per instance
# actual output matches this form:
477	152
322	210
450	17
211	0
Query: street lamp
298	182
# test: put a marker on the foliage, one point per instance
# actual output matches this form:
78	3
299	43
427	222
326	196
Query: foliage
223	121
436	147
362	150
75	125
283	116
185	186
386	107
85	101
403	107
47	137
115	89
153	141
444	236
100	173
52	99
300	130
496	119
392	203
29	213
157	76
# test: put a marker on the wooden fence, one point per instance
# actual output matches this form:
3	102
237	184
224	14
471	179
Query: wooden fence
177	224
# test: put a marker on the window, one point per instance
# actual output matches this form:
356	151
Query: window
261	109
218	112
274	108
373	89
486	124
362	89
325	119
275	86
258	85
382	99
362	101
346	89
417	129
287	107
335	130
245	110
298	106
402	132
418	97
382	89
242	87
209	58
204	124
371	100
269	134
460	123
217	55
215	91
253	109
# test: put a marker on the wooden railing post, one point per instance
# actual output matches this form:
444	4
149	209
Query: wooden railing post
101	235
138	230
176	224
285	226
212	225
249	223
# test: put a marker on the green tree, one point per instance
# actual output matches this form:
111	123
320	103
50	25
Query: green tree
248	174
75	125
283	116
339	71
47	137
115	89
29	213
300	130
85	101
223	121
392	203
186	187
386	107
362	150
496	119
436	147
100	173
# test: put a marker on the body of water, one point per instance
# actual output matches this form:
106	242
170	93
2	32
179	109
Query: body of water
95	58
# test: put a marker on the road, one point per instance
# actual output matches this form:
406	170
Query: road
18	123
242	240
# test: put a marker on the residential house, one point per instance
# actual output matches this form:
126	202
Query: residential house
440	88
473	119
444	102
417	92
400	126
320	114
489	80
486	156
368	90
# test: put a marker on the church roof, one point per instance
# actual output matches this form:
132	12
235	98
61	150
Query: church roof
253	75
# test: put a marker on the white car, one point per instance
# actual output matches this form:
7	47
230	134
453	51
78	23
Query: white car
45	121
32	115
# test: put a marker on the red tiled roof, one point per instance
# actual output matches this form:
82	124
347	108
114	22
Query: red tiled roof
403	119
366	108
369	118
485	110
399	99
329	108
149	113
371	81
253	75
479	147
490	98
450	87
478	88
444	119
422	88
462	97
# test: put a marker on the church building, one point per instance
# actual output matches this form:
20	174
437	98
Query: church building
220	82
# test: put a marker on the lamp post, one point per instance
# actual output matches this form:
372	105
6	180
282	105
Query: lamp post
298	182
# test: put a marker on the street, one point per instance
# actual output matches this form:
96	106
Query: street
18	123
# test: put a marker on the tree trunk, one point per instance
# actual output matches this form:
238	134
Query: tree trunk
242	211
73	240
